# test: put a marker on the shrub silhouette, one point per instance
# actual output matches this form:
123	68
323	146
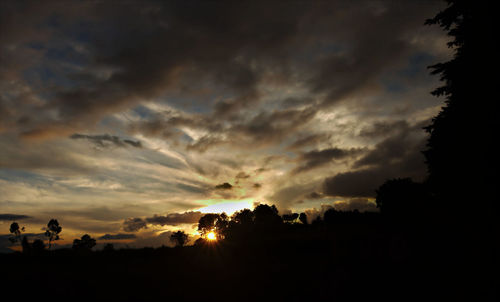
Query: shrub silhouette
86	243
303	218
38	246
179	238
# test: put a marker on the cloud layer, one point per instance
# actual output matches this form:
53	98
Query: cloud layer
112	112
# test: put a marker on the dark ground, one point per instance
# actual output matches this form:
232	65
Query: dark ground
339	263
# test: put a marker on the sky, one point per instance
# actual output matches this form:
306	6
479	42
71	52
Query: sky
127	120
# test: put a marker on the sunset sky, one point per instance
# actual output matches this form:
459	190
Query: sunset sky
132	118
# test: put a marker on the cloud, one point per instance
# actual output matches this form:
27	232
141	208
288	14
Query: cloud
106	140
12	217
117	236
309	140
224	186
134	224
314	195
242	175
175	218
189	95
396	156
317	158
383	128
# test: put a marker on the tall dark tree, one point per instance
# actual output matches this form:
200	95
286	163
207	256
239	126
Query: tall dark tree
52	231
16	231
460	154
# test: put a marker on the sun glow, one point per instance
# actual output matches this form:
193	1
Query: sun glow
211	236
226	206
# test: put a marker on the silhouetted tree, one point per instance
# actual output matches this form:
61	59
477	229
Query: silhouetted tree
317	221
200	241
460	154
303	218
52	231
16	231
179	238
86	243
290	217
216	223
109	247
266	215
243	217
402	198
330	216
37	247
26	245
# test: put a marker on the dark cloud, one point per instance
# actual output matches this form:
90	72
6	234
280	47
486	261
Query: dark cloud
138	51
106	140
396	156
134	224
291	193
175	218
267	127
117	236
12	217
317	158
224	186
309	140
364	48
383	128
314	195
242	175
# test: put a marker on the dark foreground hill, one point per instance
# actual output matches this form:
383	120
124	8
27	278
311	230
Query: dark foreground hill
362	262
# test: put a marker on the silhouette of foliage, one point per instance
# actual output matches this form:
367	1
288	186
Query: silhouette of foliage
108	248
52	231
402	198
179	238
16	231
265	215
86	243
290	217
38	246
243	217
460	149
303	218
216	223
